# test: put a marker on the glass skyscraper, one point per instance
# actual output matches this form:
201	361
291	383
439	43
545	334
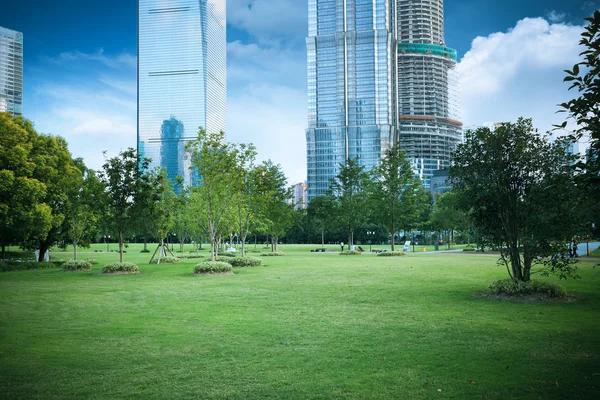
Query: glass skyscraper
428	108
351	49
181	79
11	71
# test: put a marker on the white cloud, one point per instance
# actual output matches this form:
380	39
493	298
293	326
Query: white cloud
519	73
555	16
123	60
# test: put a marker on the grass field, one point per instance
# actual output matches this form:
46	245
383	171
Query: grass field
303	326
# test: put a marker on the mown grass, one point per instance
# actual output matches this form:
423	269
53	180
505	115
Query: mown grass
307	325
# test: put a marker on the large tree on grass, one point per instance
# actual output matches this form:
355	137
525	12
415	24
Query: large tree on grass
122	176
520	190
349	188
396	194
321	213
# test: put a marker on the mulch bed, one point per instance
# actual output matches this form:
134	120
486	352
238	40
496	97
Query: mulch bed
531	298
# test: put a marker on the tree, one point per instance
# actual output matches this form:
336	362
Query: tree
320	212
122	176
156	193
271	200
349	190
448	215
395	196
55	167
585	112
217	163
23	212
245	211
520	190
85	205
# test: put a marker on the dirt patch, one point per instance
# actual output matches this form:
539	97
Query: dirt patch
214	274
120	273
530	298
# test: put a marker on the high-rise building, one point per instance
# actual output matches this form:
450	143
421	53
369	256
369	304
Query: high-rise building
11	71
181	79
428	104
298	198
351	49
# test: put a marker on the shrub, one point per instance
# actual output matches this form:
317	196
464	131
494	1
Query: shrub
145	251
253	251
192	256
511	287
23	266
469	249
273	254
351	253
77	266
391	254
245	262
209	267
227	255
166	260
120	268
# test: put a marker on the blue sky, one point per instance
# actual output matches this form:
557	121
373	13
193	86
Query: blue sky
80	76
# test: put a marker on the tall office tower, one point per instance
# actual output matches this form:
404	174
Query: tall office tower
351	88
11	71
428	121
181	79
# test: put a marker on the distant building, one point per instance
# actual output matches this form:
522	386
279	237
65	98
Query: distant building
11	71
182	56
440	182
299	196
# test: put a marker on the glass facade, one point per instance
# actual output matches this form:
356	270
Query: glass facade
351	49
428	106
182	57
11	71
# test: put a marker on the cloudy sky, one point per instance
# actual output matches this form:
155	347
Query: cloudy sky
80	68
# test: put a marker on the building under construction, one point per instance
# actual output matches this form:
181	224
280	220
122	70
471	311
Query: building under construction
428	122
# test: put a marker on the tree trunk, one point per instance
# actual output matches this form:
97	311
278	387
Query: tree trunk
527	261
393	242
74	250
515	262
120	247
3	251
161	251
44	246
322	238
145	244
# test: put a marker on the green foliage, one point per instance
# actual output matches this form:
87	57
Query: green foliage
273	254
397	195
212	267
392	254
145	251
350	253
22	266
166	260
245	262
191	256
226	254
321	214
511	287
519	189
120	268
77	266
349	191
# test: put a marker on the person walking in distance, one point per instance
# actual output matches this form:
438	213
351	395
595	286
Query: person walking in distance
342	244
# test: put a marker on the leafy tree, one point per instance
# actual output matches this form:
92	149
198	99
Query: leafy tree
246	211
23	212
55	167
448	215
350	192
156	193
85	207
122	176
321	212
271	200
585	112
520	190
217	163
395	196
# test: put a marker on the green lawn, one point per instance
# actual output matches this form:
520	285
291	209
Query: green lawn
304	326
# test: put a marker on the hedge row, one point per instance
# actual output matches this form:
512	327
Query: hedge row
209	267
77	266
273	254
27	265
350	253
391	254
124	267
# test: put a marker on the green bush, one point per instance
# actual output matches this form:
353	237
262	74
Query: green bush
469	249
120	268
77	266
23	266
227	254
166	260
350	253
190	256
145	251
253	251
391	254
209	267
511	287
273	254
245	262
